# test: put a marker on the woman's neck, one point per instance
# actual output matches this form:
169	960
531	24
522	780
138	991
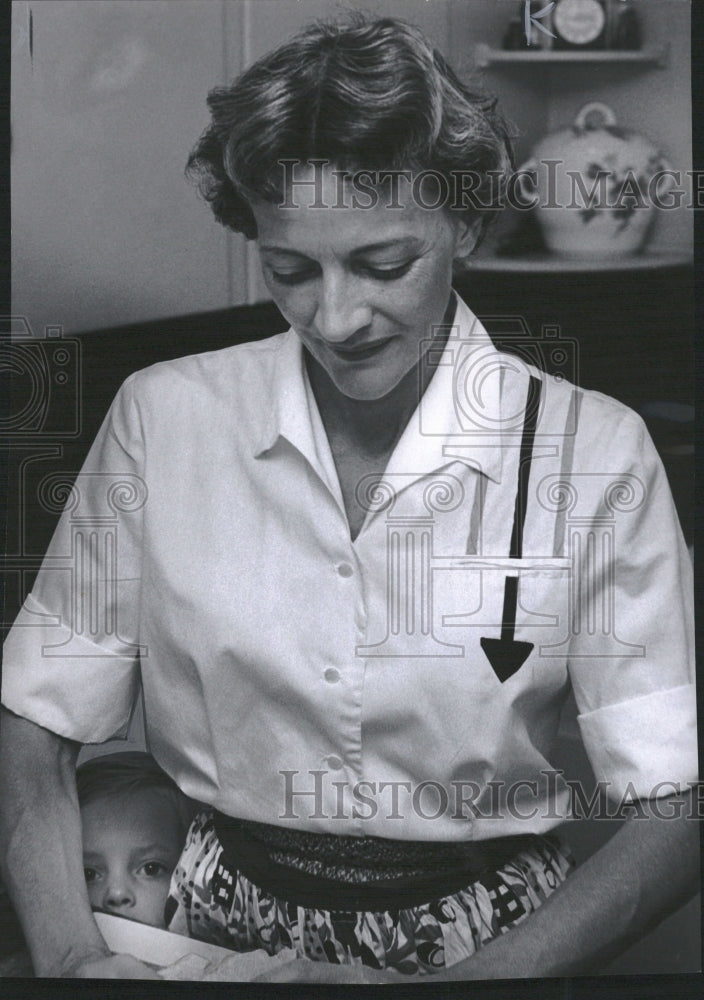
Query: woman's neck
369	427
372	427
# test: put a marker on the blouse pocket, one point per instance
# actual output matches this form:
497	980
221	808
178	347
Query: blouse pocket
515	610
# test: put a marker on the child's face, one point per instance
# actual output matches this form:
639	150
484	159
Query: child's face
131	844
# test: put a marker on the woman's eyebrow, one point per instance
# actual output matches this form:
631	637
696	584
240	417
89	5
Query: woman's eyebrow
397	243
274	249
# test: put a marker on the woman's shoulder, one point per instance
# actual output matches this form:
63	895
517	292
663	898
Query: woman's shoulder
234	371
599	425
238	361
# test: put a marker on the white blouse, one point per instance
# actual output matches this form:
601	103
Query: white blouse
296	677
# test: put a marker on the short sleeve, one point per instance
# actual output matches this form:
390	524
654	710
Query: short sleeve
70	661
631	656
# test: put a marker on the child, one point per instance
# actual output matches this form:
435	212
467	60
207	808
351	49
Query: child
134	820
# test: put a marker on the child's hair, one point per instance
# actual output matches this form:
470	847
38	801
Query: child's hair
127	772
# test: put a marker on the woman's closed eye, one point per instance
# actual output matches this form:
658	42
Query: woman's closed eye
388	273
376	271
293	277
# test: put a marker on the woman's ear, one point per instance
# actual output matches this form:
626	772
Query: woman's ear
467	234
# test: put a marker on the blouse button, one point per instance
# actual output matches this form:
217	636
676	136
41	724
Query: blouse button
332	675
335	763
344	569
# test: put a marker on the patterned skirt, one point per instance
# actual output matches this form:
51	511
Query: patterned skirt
211	900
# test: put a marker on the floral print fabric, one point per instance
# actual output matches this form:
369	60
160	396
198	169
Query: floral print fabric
211	902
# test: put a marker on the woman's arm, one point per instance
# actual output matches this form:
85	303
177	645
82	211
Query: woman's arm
647	869
40	834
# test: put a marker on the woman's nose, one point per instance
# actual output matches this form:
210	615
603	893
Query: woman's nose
118	895
341	310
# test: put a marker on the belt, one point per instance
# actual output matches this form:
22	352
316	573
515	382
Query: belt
250	849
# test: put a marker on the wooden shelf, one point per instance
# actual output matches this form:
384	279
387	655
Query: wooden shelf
552	263
485	56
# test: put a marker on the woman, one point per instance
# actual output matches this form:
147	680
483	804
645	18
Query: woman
348	565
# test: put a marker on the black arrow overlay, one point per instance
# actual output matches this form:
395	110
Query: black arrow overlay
507	655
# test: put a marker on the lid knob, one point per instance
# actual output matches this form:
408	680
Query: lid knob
594	115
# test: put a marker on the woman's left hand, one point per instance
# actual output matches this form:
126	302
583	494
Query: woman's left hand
302	970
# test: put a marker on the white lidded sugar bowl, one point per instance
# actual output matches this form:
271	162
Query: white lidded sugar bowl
595	186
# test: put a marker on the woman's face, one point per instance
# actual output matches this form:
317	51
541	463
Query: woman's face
362	287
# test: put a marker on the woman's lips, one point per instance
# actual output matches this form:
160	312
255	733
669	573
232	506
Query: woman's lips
359	353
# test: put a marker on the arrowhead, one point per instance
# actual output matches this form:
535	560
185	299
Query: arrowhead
506	655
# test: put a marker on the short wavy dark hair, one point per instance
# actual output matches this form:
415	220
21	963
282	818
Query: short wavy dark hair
125	772
362	94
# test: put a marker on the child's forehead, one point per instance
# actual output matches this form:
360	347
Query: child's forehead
139	810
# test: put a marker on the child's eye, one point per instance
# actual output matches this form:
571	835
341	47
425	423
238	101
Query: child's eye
153	869
90	875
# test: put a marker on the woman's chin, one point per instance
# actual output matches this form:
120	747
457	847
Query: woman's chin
364	391
369	383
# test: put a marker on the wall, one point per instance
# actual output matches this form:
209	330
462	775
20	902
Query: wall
106	230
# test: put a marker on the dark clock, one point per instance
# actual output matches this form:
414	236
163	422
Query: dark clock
579	24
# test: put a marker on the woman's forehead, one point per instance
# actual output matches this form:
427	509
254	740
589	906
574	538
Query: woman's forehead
325	207
320	183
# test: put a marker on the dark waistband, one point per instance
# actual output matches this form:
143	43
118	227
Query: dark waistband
250	848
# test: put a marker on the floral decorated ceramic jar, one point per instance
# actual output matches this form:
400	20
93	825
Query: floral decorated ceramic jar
596	186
